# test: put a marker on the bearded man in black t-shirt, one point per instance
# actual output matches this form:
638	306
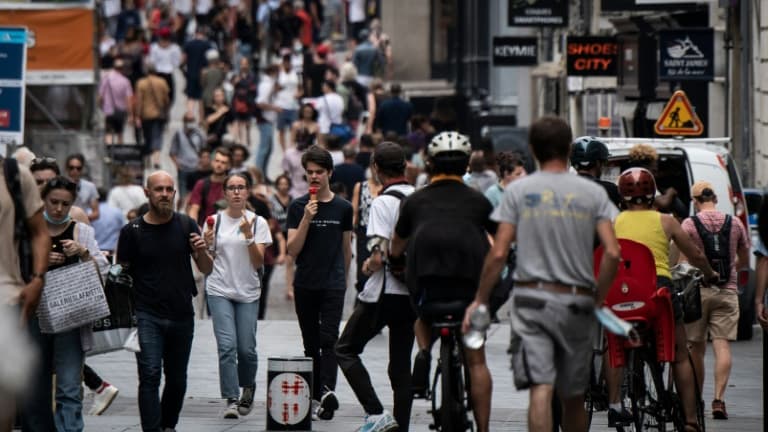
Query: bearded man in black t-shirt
319	238
444	228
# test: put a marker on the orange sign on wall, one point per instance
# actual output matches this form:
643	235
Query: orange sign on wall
61	44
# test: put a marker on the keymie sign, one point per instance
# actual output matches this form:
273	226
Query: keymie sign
515	51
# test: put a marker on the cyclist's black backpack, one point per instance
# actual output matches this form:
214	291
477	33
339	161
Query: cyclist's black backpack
717	247
20	229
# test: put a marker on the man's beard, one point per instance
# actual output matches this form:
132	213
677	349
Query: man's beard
160	209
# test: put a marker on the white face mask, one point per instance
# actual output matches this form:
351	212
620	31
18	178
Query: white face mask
297	47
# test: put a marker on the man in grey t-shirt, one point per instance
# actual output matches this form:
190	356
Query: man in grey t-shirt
553	216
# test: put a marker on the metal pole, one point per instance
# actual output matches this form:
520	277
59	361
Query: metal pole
746	87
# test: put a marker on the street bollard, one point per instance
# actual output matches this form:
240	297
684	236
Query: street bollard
289	394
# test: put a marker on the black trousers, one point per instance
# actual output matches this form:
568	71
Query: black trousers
91	379
319	315
367	320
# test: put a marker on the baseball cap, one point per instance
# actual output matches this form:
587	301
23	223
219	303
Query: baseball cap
322	49
700	187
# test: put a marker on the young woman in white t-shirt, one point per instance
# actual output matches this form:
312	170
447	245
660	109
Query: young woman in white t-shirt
238	238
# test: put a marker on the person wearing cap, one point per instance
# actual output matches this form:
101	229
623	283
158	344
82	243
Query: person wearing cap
719	301
166	56
589	156
314	72
383	302
212	77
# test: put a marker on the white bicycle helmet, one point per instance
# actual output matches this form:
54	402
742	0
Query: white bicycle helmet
449	142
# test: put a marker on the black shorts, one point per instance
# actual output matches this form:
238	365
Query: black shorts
434	290
115	123
677	302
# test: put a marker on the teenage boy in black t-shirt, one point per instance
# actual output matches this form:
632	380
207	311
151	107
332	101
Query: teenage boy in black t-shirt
156	249
319	238
444	227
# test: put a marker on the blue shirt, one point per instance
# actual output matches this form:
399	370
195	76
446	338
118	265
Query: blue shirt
393	116
108	226
495	194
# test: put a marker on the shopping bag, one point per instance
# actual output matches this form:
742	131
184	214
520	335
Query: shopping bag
110	333
72	297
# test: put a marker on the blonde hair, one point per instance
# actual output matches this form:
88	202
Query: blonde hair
348	72
643	153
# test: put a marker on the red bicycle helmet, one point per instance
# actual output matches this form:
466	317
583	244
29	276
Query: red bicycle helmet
637	185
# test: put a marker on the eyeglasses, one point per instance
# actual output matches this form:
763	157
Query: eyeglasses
236	188
75	167
62	183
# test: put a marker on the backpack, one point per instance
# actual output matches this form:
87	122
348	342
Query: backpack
397	268
20	229
717	247
354	106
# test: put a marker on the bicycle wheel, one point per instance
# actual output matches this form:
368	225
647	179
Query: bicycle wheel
649	402
596	397
451	404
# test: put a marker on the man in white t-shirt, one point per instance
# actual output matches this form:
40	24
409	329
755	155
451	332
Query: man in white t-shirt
268	89
166	56
329	106
375	309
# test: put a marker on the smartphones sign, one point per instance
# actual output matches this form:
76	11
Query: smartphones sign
592	56
538	13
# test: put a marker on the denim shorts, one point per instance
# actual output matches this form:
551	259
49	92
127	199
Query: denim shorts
285	118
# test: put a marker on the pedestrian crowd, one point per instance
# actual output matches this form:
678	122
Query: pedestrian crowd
427	216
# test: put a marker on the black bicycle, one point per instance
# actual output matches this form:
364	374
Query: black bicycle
451	403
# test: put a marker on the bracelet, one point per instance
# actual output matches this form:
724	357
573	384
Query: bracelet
40	276
250	241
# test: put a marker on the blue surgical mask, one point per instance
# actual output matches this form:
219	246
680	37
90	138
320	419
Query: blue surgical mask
50	220
613	323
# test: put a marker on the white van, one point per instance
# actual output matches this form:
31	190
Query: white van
681	163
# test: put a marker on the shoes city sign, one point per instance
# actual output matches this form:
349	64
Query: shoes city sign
591	56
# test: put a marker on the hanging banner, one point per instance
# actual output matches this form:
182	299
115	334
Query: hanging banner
515	51
60	44
13	56
686	55
592	56
538	13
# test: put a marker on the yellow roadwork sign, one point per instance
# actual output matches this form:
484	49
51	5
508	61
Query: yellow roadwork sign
679	118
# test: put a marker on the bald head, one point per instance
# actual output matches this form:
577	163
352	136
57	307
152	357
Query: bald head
158	176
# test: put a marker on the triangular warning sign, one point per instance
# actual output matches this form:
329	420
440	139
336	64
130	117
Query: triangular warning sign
678	118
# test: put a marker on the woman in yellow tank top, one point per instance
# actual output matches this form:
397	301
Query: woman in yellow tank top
640	222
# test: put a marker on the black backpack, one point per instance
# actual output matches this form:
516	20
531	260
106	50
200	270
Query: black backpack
717	247
20	229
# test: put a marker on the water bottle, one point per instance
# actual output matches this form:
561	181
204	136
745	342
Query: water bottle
479	322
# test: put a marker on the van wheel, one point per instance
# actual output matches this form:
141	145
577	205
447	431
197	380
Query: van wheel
747	309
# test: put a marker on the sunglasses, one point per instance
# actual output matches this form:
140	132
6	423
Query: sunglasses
59	183
43	160
75	167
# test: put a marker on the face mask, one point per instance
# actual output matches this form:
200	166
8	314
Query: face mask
52	221
297	47
613	323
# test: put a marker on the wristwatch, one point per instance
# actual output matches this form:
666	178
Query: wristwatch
40	276
250	241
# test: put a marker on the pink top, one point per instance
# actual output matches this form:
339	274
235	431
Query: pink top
114	90
713	220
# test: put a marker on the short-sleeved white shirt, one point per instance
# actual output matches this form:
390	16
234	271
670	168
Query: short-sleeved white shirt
233	276
385	210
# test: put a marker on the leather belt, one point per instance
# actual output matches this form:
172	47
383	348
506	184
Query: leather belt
557	288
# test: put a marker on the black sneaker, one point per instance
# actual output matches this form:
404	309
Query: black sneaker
420	378
245	404
619	418
328	405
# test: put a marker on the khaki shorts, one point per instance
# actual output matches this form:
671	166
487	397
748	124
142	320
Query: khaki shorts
719	316
552	340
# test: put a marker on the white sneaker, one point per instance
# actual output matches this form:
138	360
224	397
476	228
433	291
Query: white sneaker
102	398
231	411
383	422
315	407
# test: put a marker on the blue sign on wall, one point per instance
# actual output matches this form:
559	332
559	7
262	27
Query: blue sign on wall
13	59
686	54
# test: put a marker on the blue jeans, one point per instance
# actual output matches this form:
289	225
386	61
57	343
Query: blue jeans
234	325
165	348
62	353
266	138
